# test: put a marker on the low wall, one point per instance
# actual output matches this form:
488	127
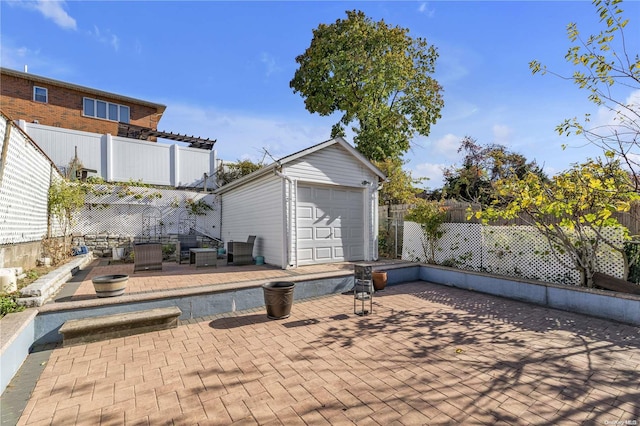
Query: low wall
16	336
24	255
194	302
598	303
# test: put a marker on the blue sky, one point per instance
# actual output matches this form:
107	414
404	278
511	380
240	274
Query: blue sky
223	68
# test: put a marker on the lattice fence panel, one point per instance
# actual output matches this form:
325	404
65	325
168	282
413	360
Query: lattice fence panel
520	251
147	213
23	189
461	245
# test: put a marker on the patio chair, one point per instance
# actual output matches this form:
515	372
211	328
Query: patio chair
147	257
185	242
242	253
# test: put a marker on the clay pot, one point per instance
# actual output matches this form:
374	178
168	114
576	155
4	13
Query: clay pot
379	280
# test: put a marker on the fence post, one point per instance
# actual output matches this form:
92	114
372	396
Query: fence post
109	157
174	165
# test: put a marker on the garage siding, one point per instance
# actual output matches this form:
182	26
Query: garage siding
256	209
332	165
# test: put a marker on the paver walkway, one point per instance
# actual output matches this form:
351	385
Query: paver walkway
428	354
177	276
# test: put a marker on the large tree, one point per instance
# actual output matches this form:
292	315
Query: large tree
481	167
611	76
378	76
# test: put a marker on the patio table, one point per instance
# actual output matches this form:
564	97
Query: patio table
203	257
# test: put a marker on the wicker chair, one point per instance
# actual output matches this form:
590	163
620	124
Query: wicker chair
147	257
185	242
242	253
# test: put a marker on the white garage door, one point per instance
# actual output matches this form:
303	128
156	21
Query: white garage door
330	224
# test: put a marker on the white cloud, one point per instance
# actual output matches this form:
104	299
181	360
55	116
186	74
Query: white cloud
432	171
447	146
270	63
108	38
502	134
53	10
424	8
242	135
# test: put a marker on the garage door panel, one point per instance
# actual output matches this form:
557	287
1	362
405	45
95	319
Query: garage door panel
305	213
305	194
339	195
321	194
305	255
322	233
323	253
330	224
305	233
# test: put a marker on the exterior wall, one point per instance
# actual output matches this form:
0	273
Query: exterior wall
64	107
333	165
256	208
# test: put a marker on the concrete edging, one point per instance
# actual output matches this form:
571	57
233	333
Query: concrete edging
16	338
44	288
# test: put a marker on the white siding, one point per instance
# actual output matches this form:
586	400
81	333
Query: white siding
256	208
332	165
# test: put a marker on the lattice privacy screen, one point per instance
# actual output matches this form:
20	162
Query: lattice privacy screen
147	213
520	251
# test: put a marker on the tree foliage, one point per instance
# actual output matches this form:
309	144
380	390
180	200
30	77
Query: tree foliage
481	167
430	215
602	62
64	200
400	186
378	76
571	210
229	172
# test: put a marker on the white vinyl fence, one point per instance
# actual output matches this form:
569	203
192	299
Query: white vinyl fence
117	159
516	250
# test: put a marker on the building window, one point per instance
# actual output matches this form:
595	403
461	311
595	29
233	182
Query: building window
40	94
105	110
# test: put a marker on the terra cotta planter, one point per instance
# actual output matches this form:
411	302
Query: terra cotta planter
379	280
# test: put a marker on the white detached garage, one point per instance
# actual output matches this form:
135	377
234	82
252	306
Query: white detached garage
319	205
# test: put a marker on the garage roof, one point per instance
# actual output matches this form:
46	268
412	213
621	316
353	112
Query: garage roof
292	157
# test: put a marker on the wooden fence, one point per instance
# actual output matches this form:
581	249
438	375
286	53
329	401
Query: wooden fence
457	213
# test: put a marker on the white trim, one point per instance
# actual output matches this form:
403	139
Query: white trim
284	160
46	94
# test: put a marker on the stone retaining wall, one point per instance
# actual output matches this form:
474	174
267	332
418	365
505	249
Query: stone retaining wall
102	245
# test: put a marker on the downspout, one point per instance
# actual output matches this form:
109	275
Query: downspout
287	227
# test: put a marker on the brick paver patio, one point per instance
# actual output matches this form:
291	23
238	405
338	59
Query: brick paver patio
429	354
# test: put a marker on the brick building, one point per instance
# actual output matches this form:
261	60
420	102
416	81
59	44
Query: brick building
36	99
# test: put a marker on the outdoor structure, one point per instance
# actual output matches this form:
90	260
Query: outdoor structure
318	205
50	102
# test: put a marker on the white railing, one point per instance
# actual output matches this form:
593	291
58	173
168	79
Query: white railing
117	159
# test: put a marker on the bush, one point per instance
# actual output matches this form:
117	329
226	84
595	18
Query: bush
8	304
